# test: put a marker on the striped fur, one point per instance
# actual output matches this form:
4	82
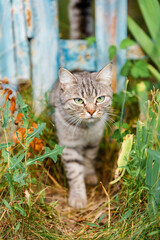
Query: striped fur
78	130
81	22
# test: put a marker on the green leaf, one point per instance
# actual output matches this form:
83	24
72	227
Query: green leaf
127	43
101	217
123	156
19	177
11	186
5	155
20	101
36	132
126	68
145	42
91	40
142	92
125	126
48	153
20	210
112	52
17	227
20	141
119	177
117	135
154	233
149	171
6	115
7	204
154	72
126	215
140	69
17	161
155	155
4	145
92	225
151	14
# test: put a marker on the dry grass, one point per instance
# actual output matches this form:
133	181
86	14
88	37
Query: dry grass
112	213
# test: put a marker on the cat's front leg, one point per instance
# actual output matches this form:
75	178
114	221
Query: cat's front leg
90	154
74	166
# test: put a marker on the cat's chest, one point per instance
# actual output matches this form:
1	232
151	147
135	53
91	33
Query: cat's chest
90	135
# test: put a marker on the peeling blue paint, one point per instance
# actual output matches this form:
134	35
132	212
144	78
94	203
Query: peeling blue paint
44	48
111	29
30	46
20	41
7	60
77	54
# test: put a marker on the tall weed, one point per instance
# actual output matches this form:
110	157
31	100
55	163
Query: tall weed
21	148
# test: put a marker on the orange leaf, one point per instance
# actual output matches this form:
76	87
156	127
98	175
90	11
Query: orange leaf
9	92
12	107
37	144
21	132
34	124
18	118
30	130
5	80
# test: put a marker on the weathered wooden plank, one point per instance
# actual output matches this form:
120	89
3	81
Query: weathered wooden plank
111	28
7	64
44	48
100	33
21	43
135	52
121	6
77	55
29	18
103	30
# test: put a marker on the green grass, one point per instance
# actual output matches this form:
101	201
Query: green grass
125	210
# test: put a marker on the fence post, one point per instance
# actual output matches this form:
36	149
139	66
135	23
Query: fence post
44	48
20	40
110	29
121	34
7	63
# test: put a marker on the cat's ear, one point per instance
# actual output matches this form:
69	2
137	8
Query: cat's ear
105	75
66	78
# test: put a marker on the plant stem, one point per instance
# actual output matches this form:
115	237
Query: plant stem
26	151
122	112
5	134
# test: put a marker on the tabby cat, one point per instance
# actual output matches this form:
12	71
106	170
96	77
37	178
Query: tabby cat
82	102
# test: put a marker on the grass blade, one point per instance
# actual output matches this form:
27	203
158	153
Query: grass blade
151	14
144	41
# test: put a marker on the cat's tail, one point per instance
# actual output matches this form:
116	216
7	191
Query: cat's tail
81	21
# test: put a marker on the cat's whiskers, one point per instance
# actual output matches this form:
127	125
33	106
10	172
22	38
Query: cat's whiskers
111	113
110	119
105	121
72	120
76	125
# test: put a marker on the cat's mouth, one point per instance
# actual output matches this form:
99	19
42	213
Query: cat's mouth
90	119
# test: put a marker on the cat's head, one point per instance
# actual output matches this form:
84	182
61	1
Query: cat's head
86	96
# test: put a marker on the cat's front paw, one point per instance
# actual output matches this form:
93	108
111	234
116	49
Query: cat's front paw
77	201
91	179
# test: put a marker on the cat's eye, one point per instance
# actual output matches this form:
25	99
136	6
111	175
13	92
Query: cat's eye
78	100
100	99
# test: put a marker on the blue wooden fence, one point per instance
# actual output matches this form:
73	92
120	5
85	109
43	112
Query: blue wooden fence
30	47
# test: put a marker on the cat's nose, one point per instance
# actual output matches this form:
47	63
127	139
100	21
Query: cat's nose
91	112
